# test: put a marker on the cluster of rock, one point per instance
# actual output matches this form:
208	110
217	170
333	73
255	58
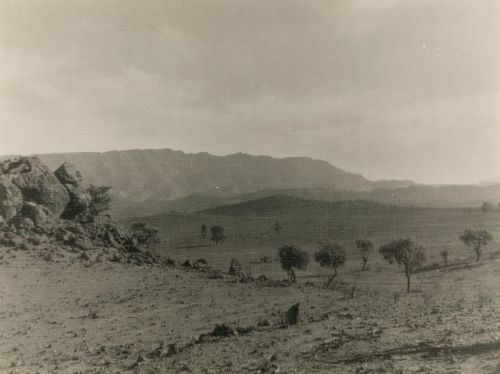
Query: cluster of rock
38	206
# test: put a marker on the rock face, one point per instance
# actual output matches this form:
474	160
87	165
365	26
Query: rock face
37	183
11	199
79	198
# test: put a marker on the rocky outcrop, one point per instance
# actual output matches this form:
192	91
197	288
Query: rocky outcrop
36	183
41	210
72	179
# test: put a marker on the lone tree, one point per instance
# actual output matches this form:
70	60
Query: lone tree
330	255
476	239
405	252
203	231
444	255
217	234
144	233
365	249
100	199
292	258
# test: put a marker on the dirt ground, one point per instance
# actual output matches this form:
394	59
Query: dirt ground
67	316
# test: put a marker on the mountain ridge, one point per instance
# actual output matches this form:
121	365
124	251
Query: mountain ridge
166	174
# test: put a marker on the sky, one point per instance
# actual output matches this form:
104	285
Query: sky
391	89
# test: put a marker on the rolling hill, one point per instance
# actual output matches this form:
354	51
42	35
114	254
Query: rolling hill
283	205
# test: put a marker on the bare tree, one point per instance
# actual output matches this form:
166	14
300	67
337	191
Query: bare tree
330	255
405	252
365	249
476	239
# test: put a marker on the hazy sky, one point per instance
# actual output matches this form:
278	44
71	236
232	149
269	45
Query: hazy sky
386	88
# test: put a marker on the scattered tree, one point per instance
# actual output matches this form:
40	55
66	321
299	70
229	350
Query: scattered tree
476	239
144	233
292	258
330	255
100	199
217	234
487	207
405	252
444	255
277	227
365	249
203	231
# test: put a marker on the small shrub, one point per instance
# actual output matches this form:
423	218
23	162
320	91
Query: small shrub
100	199
203	231
144	233
395	297
264	259
444	255
484	300
235	267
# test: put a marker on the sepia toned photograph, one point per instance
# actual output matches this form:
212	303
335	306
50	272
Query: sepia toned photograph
249	186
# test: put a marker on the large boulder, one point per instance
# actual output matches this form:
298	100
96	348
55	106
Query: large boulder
11	198
72	180
37	183
37	213
67	173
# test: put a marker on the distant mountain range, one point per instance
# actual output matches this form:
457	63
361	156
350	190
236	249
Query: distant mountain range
165	174
157	181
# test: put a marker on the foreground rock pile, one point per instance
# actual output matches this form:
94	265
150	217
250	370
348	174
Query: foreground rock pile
41	210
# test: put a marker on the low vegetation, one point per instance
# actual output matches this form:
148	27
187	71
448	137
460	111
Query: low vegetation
144	233
100	199
444	255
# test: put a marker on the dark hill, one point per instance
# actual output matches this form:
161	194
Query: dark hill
283	205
